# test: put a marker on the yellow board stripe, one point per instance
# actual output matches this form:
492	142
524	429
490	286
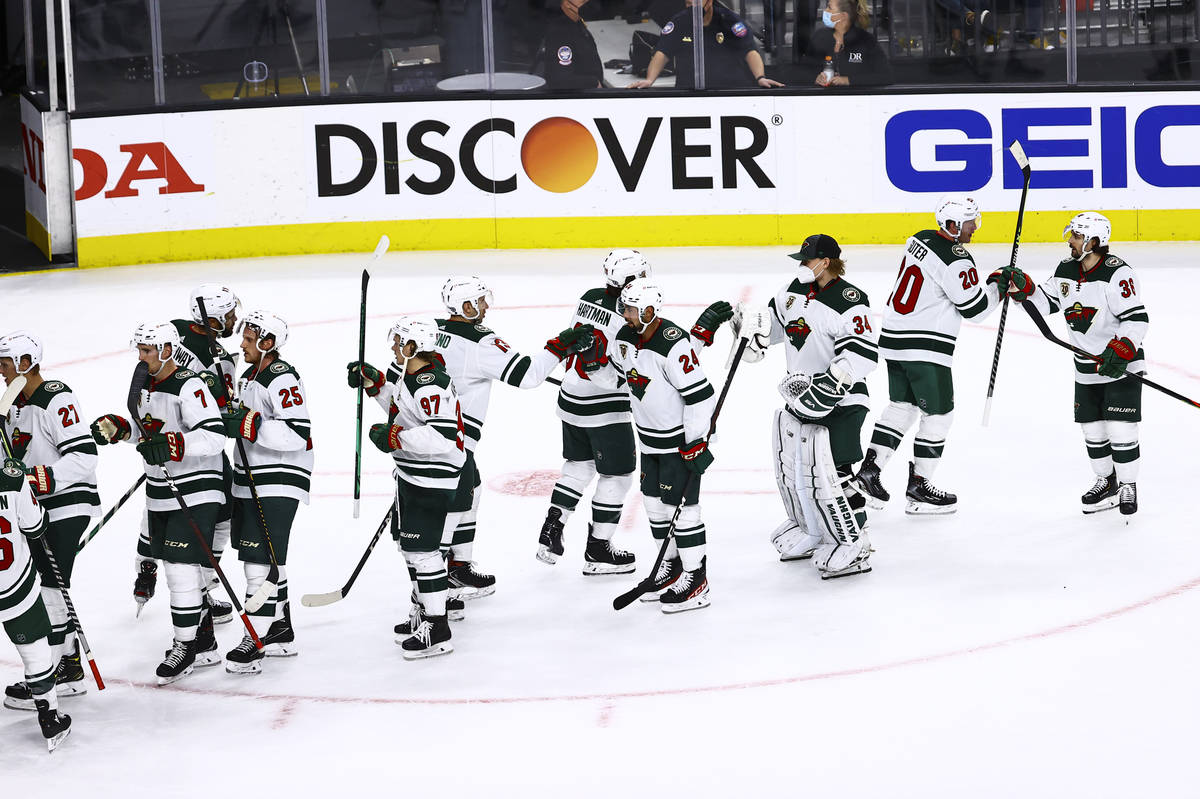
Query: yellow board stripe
35	232
636	231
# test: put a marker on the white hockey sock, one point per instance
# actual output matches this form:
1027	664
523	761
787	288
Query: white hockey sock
256	575
62	637
889	431
690	537
1126	455
660	515
568	491
930	442
39	669
184	583
463	544
607	502
430	570
1095	438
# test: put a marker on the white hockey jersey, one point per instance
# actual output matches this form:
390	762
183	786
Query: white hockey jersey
1098	306
938	286
182	403
20	514
582	401
671	399
829	322
281	456
474	357
432	446
50	429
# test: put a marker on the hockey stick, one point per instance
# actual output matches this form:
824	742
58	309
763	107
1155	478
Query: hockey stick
111	512
627	598
140	375
1023	162
269	585
319	600
380	249
6	401
1040	321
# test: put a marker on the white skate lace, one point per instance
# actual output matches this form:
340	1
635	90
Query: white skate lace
931	489
664	571
424	632
247	644
177	654
1128	492
1098	486
682	585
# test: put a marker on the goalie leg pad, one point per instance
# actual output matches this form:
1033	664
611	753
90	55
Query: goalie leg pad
568	491
607	502
846	548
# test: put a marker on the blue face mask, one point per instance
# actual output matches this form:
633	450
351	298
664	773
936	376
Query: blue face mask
827	19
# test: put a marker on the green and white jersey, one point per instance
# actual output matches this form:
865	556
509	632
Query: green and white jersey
1099	305
581	401
281	456
830	322
20	515
433	446
194	353
672	400
182	403
50	429
474	357
938	286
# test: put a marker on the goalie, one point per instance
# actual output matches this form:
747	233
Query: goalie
824	323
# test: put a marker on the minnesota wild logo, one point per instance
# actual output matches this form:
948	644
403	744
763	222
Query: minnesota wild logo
637	383
151	424
20	442
797	332
1079	317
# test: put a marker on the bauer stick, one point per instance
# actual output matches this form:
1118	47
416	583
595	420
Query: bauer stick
627	598
319	600
111	512
1019	155
6	401
272	579
1038	320
140	374
380	249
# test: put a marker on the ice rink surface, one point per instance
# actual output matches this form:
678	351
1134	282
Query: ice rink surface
1016	648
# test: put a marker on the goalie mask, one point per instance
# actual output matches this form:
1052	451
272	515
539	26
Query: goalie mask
219	301
622	266
641	294
1090	225
21	344
957	209
423	332
458	291
267	325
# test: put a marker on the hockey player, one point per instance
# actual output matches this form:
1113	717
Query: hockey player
46	431
1099	297
824	323
21	609
672	403
184	439
937	287
475	356
271	417
424	435
597	431
195	353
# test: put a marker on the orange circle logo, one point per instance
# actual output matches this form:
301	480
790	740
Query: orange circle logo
559	154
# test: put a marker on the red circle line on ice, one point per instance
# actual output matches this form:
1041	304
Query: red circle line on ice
666	692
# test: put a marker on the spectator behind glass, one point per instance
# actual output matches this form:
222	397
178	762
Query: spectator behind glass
572	60
730	60
857	58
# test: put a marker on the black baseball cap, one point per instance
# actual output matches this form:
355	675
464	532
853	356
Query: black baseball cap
818	245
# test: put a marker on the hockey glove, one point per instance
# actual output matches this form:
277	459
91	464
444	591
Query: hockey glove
161	447
371	378
241	423
1016	283
12	475
814	397
752	322
1116	357
41	479
710	319
385	437
696	456
110	428
594	358
571	340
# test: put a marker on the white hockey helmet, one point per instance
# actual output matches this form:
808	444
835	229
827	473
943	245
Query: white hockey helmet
621	266
157	335
641	294
420	329
957	208
21	344
1090	225
460	289
268	325
218	301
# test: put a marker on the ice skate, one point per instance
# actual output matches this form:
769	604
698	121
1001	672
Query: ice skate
430	639
550	541
869	482
926	500
688	592
69	677
469	583
143	584
1127	495
668	572
1102	495
601	557
55	726
280	640
245	658
180	659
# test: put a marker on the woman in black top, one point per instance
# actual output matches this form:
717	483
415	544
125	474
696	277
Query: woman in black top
858	59
572	61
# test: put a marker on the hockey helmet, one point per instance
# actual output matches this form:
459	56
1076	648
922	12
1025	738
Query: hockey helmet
421	330
268	325
957	208
157	335
621	266
218	301
21	344
1090	225
641	294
